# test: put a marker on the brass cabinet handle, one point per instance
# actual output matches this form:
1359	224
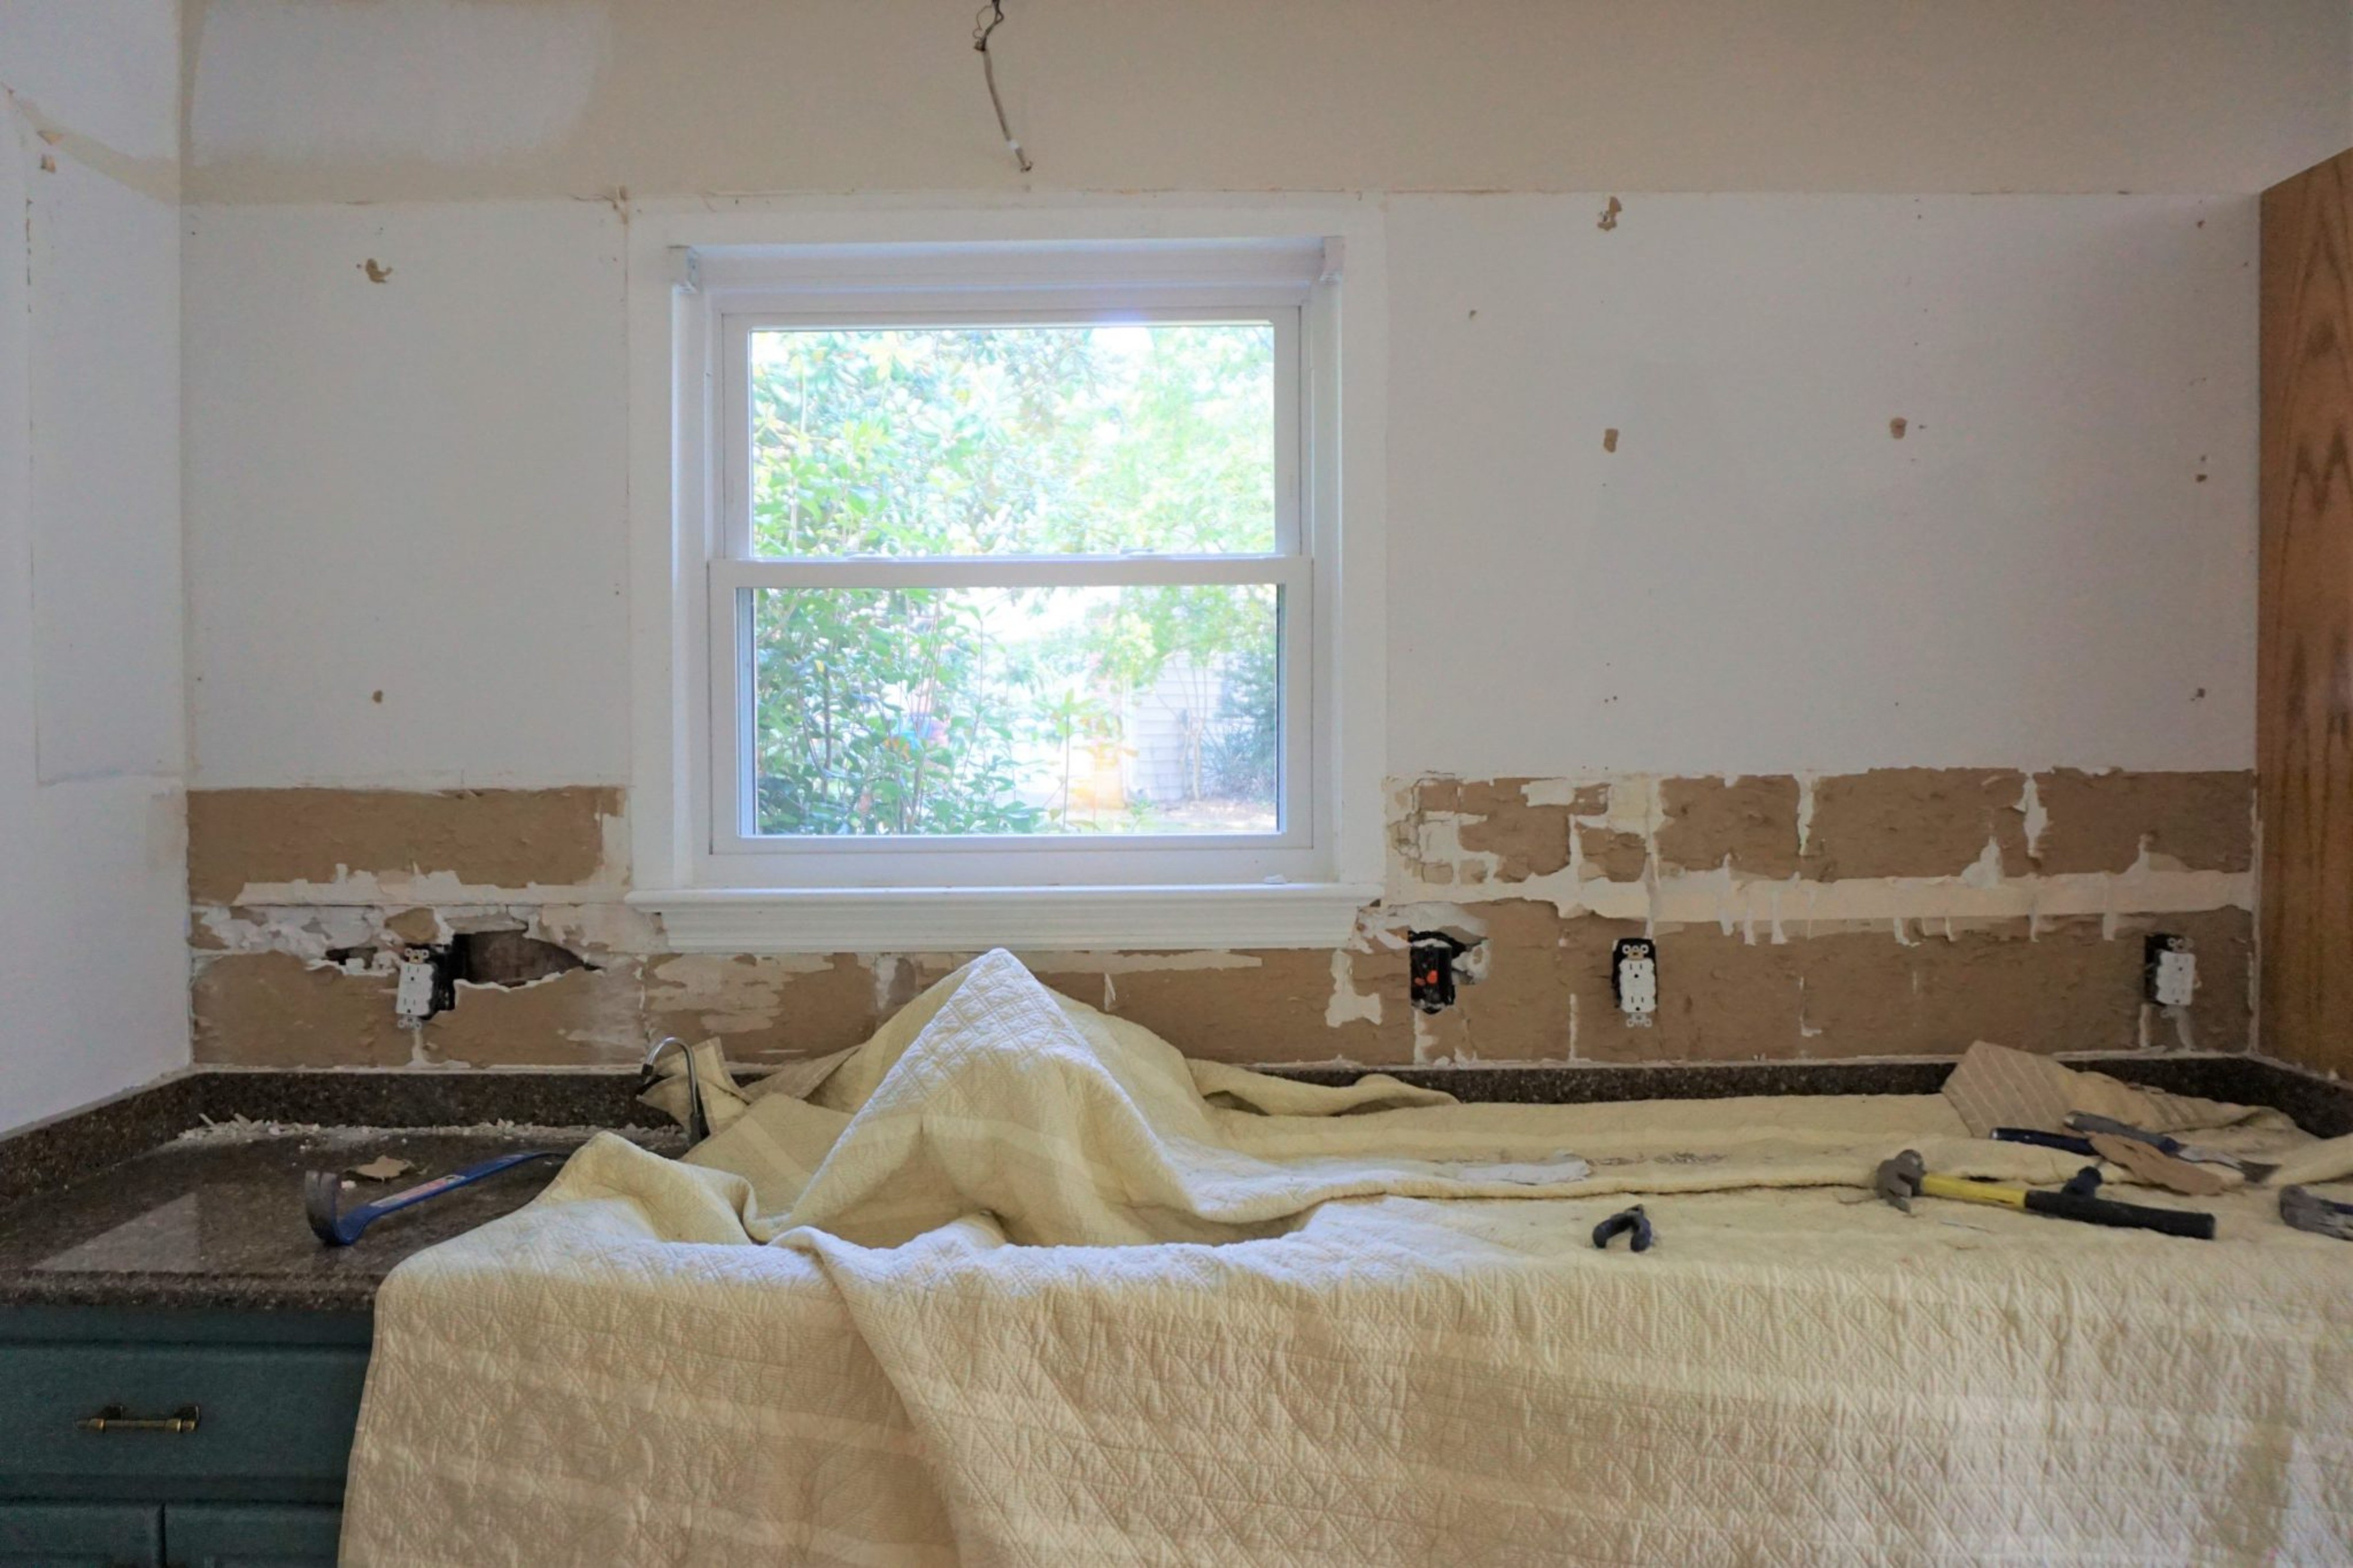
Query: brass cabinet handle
113	1418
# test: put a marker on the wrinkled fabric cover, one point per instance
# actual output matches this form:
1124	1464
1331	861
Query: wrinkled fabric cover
989	1325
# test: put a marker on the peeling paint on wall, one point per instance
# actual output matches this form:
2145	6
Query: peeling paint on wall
1903	911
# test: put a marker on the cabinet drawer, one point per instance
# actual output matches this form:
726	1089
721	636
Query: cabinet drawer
260	1412
79	1535
224	1535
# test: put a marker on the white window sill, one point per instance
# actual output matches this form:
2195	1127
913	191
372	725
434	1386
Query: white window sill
1036	919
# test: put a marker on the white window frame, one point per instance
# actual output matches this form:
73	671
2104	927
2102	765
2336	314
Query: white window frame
700	284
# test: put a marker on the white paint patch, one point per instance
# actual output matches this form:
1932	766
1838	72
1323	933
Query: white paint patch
2036	814
450	82
1348	1004
399	890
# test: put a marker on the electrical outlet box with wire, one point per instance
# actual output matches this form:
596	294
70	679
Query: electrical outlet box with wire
1441	961
1634	979
2169	969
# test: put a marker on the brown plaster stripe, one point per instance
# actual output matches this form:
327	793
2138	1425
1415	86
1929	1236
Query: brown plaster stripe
1915	822
2098	821
492	837
1752	820
2062	986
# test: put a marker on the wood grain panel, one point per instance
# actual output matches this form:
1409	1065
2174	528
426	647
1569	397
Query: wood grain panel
2305	740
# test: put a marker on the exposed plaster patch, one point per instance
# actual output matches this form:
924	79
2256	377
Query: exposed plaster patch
1752	965
400	847
2102	821
1610	214
376	273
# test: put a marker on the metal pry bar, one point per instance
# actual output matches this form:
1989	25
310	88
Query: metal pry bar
323	1196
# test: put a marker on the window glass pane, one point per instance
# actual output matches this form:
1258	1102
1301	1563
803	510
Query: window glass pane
1032	710
1013	440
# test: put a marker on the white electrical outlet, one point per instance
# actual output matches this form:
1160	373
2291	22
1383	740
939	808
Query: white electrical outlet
2173	978
1636	980
413	996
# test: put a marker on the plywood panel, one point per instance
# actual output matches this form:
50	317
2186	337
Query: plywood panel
2305	676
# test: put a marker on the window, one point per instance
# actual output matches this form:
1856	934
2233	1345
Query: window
1014	557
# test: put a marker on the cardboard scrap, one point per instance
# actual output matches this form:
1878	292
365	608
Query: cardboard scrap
2159	1169
1994	1086
383	1168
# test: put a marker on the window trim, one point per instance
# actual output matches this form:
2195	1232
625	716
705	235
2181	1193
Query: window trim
691	271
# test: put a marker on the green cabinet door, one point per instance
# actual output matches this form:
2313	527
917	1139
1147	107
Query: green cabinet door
250	1535
82	1535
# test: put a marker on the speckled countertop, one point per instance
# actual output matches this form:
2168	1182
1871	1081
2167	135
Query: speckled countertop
215	1219
188	1194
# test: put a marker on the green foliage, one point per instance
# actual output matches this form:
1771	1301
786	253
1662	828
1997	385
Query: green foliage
864	721
926	711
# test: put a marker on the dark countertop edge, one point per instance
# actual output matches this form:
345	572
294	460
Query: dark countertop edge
165	1293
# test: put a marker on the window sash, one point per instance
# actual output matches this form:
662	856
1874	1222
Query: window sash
735	370
1297	852
733	762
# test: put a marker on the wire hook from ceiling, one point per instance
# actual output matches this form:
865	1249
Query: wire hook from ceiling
990	17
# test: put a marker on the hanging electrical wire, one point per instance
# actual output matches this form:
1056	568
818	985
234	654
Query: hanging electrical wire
990	17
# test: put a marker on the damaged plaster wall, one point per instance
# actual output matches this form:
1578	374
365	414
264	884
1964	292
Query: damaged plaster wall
92	847
1901	912
410	644
507	98
1778	575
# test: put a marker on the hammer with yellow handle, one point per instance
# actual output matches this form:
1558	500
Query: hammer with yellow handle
1903	1178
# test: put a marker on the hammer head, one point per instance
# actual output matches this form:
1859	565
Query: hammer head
1897	1180
322	1202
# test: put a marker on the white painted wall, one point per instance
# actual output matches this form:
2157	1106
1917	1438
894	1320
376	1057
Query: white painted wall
415	489
418	487
2056	564
415	100
93	960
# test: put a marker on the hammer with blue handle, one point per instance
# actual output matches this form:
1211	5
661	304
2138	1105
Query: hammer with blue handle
323	1196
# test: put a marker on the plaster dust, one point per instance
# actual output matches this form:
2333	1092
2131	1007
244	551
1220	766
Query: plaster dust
240	839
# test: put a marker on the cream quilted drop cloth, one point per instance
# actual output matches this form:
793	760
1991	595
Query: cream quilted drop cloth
1016	1284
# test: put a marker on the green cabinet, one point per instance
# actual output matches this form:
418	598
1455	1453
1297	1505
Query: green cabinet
176	1535
81	1535
175	1440
249	1535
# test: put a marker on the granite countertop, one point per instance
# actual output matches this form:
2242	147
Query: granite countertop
187	1194
215	1218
